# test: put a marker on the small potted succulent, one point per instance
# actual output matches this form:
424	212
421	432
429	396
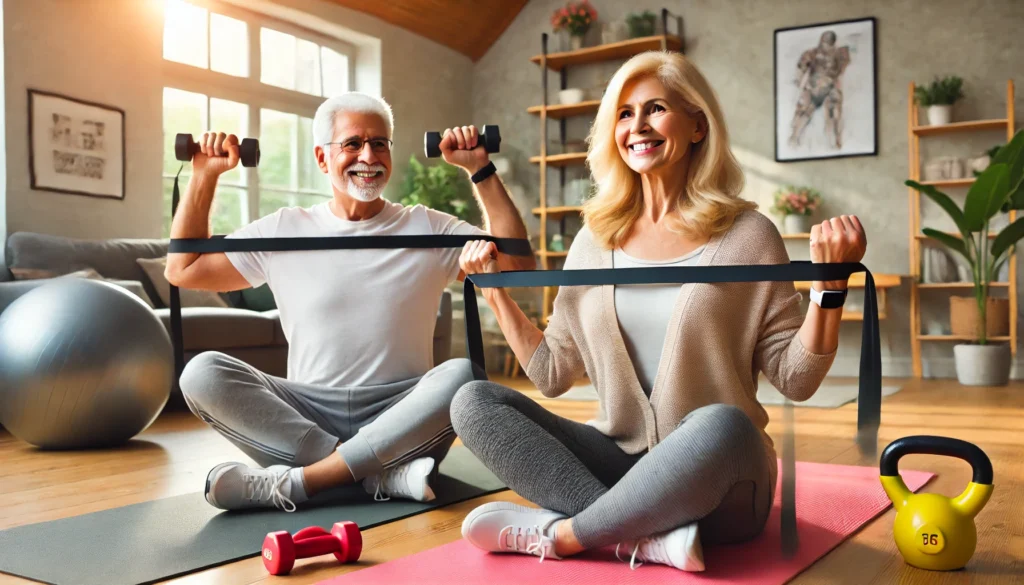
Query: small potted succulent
796	205
576	18
939	97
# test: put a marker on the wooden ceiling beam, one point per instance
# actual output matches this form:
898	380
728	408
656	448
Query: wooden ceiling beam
467	26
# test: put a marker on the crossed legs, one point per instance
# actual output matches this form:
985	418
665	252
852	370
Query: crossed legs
710	473
311	438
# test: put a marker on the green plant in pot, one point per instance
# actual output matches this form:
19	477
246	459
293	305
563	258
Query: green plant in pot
641	24
939	97
998	189
442	187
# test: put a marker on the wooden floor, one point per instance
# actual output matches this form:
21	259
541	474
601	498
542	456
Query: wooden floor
173	456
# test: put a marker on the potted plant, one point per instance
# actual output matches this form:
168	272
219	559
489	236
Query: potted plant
576	18
641	24
939	97
796	205
442	187
997	189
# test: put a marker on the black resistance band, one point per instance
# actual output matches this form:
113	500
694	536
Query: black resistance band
870	391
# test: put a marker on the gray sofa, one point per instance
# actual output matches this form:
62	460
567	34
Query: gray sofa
248	330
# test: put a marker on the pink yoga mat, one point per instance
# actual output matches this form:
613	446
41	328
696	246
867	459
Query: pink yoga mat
832	502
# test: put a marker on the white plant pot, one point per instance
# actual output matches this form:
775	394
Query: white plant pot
940	115
982	365
572	95
796	224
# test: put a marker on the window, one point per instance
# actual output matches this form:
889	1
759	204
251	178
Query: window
192	113
288	175
294	63
211	84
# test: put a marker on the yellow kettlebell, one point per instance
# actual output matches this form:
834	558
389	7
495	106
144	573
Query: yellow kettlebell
933	531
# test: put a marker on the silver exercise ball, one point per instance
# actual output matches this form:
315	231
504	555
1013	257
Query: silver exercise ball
83	363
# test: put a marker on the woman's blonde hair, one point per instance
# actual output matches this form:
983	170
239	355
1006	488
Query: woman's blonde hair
710	201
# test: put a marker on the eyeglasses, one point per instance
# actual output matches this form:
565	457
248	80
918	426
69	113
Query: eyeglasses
354	145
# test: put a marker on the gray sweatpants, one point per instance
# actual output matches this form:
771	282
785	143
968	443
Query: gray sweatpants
279	422
712	469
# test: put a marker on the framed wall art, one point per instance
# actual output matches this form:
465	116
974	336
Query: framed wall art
75	146
826	91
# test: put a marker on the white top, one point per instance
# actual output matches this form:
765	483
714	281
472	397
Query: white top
355	317
643	311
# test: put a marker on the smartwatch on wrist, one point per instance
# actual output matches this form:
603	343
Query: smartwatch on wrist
488	170
828	299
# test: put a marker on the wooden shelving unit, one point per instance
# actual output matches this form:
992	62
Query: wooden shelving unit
560	62
915	131
612	51
567	110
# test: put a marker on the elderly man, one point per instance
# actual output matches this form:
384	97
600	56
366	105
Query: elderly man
362	401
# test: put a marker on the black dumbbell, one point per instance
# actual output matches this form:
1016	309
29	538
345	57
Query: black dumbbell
490	138
248	151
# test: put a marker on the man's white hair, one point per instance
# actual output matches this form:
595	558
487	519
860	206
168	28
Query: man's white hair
353	101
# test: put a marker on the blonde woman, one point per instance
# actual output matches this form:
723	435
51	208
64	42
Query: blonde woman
677	457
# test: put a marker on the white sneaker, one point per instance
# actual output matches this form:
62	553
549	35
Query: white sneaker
504	527
679	548
234	486
409	480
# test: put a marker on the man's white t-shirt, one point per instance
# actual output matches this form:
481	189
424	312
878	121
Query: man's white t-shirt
355	317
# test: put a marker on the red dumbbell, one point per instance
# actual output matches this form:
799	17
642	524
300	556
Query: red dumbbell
280	549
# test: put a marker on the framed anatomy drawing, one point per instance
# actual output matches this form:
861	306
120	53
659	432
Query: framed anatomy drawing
826	91
75	146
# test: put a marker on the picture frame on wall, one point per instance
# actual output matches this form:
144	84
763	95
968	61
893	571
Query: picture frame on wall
75	146
826	90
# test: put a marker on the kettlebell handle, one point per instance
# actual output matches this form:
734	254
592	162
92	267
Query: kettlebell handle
932	445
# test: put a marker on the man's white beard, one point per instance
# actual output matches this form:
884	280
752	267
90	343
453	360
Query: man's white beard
356	191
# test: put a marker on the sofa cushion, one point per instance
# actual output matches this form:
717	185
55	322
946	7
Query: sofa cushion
260	298
279	338
205	328
154	269
113	258
133	286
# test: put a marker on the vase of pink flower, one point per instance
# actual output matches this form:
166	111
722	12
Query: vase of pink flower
576	19
796	205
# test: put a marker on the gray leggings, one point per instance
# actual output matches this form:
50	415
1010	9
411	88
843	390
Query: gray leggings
712	468
279	422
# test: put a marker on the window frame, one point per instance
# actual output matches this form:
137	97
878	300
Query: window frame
252	92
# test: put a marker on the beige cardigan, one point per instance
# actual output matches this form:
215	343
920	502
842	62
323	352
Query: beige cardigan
719	337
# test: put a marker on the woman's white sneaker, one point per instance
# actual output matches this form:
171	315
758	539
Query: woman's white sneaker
504	527
679	548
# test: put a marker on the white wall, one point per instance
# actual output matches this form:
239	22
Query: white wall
111	51
105	51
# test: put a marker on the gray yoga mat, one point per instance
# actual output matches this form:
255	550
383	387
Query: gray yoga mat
158	540
829	395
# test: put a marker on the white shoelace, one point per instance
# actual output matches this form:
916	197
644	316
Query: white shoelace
387	481
533	537
658	554
379	495
383	493
261	486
